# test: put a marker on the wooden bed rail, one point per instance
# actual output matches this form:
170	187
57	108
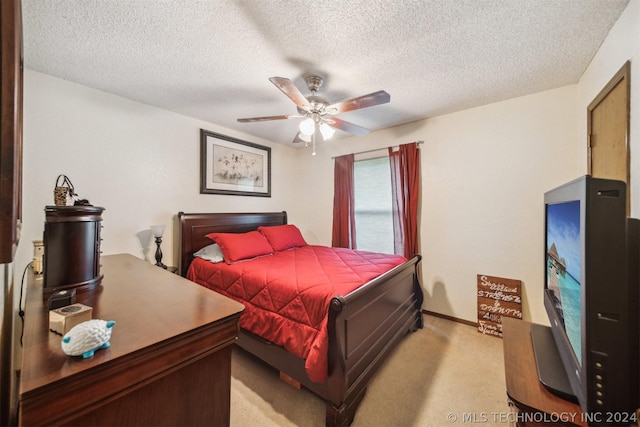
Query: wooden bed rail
338	303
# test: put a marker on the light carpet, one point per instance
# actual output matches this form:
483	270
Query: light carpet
446	374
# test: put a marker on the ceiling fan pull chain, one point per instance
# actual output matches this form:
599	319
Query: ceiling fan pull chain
313	139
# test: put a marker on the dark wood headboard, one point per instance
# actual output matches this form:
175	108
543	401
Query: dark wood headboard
194	228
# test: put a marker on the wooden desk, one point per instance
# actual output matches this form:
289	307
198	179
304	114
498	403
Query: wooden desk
169	362
523	388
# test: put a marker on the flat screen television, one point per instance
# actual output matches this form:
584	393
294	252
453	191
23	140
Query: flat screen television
590	354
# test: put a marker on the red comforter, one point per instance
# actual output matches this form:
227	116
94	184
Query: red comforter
287	294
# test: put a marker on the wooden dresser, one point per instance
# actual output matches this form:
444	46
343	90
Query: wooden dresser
169	362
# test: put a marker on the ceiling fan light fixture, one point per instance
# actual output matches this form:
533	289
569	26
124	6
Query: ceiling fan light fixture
327	131
305	138
313	110
307	126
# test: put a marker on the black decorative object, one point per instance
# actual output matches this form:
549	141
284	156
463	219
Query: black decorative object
158	231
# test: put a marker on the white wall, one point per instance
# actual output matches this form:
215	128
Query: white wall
484	172
138	162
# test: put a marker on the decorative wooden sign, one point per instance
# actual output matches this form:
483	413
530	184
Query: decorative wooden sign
497	297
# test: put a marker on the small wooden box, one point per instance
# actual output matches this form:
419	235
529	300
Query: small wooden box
62	319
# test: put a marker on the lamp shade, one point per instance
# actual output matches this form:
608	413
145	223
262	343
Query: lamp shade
307	126
327	131
157	230
305	138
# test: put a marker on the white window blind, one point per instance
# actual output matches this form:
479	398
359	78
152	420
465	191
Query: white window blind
372	194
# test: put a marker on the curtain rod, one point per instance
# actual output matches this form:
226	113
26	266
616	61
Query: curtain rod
378	149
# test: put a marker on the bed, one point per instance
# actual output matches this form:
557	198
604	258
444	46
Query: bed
363	326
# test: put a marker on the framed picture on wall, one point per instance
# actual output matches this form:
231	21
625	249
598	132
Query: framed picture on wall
233	167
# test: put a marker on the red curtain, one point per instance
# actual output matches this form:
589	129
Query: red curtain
405	191
344	219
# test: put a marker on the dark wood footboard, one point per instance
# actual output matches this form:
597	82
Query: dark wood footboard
364	326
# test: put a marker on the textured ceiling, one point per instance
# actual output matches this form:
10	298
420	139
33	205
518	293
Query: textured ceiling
211	60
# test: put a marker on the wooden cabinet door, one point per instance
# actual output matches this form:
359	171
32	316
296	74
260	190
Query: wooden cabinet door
608	131
10	127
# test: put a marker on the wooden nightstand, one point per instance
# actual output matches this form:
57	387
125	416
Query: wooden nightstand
170	269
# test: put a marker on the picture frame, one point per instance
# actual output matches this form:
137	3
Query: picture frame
232	166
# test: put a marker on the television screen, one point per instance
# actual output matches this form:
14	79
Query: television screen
564	268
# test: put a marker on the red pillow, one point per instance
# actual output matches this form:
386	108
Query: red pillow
283	237
239	246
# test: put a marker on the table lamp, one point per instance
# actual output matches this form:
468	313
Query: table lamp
157	231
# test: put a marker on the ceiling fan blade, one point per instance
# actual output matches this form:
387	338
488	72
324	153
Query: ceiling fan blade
264	119
364	101
348	127
288	88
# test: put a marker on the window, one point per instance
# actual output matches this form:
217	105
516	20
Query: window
373	209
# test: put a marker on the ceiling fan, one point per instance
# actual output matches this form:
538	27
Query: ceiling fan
320	121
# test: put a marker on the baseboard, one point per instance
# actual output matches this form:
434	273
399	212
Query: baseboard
453	319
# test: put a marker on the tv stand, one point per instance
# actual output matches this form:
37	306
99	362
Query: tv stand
531	400
551	371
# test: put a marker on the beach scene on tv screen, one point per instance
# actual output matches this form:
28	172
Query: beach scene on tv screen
563	267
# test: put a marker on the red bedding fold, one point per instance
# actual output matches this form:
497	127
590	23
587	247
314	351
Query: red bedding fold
287	294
